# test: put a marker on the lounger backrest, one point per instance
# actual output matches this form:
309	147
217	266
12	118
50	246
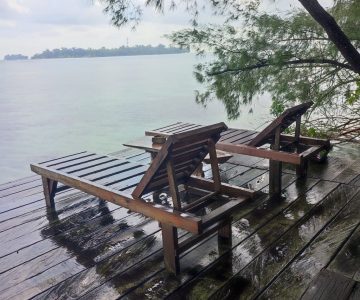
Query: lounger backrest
186	151
288	117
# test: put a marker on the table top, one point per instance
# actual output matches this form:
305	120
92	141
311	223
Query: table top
144	143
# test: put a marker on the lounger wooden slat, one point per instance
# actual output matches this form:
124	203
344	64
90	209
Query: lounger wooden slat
242	134
246	139
168	126
83	156
184	128
89	165
77	162
174	164
177	126
231	133
109	177
168	130
111	174
63	157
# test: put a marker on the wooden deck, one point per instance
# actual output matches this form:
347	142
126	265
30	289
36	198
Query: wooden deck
284	249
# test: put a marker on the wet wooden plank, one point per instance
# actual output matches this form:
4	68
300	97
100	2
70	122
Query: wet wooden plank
184	129
230	133
106	177
247	139
143	158
124	153
311	259
256	234
355	294
347	260
23	183
90	164
244	160
64	224
329	170
97	282
72	160
63	262
246	177
24	196
38	219
165	283
27	214
329	286
271	262
20	181
18	200
83	246
65	157
239	136
10	201
349	174
29	233
26	188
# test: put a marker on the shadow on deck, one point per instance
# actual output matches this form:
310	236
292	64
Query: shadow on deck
94	249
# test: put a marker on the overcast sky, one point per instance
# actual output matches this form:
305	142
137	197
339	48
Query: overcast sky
31	26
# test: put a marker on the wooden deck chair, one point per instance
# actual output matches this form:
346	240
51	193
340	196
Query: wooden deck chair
174	165
296	149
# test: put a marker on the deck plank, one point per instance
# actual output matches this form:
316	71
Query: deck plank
80	204
329	286
309	262
347	260
74	283
96	249
257	240
166	283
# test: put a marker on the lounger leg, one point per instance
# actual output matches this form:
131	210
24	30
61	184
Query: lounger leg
170	244
301	170
275	170
49	187
224	232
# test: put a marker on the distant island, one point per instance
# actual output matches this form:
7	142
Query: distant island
102	52
15	57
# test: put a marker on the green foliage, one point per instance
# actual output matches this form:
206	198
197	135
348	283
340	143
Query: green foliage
287	55
353	96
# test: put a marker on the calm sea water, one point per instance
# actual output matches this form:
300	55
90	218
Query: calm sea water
60	106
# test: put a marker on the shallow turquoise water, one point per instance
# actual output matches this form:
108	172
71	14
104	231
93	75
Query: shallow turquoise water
60	106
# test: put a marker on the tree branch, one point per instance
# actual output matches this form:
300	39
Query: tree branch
333	30
291	62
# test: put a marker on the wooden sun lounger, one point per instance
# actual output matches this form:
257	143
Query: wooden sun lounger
173	165
296	149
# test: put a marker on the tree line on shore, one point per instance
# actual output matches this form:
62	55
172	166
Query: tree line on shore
101	52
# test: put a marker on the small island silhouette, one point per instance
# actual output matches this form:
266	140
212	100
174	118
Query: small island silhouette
101	52
15	57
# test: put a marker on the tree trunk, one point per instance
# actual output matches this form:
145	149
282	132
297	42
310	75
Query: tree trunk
333	30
